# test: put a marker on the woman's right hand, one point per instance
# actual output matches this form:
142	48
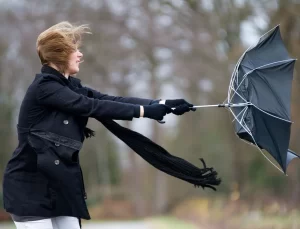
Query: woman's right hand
156	111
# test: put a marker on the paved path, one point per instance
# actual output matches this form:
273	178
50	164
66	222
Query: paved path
109	225
116	225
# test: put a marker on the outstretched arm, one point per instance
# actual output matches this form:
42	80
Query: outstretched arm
132	100
51	93
180	106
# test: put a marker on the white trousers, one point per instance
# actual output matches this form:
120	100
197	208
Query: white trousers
60	222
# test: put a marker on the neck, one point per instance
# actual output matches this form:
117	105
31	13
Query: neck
56	68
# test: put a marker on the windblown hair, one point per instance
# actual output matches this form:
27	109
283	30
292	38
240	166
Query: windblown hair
55	44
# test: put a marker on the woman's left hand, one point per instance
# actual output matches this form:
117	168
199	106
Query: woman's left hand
180	106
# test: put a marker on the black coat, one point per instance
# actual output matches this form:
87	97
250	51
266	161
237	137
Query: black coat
43	176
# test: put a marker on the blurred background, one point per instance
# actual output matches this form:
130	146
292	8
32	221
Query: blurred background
162	49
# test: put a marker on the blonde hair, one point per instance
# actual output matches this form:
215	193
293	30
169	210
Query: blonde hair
55	44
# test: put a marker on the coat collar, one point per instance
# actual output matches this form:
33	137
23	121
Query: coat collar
46	69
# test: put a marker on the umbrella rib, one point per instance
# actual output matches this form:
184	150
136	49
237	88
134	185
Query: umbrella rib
274	116
235	92
271	136
262	66
249	132
244	109
271	89
241	120
247	129
234	74
246	74
240	60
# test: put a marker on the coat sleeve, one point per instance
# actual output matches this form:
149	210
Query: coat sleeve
53	94
132	100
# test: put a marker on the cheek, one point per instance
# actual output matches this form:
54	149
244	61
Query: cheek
73	67
72	62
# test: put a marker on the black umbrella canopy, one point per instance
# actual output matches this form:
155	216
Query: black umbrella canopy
263	79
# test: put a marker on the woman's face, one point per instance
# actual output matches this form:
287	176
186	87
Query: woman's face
74	61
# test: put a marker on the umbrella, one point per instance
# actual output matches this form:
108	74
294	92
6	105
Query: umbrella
259	97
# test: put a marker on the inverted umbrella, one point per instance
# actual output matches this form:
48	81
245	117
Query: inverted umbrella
259	97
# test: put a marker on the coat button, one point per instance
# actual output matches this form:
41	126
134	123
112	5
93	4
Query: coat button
56	162
56	144
66	122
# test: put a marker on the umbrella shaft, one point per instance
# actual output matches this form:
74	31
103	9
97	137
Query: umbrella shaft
224	105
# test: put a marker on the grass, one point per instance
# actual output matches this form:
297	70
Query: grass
260	221
7	226
169	222
216	214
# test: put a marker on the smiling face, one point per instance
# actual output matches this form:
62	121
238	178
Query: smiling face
74	62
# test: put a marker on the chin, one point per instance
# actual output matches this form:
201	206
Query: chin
74	71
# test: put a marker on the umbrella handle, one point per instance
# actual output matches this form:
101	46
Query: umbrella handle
214	105
225	105
195	107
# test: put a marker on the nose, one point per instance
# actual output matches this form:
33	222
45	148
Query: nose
79	54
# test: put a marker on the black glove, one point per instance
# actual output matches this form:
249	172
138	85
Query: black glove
156	111
181	106
177	102
181	109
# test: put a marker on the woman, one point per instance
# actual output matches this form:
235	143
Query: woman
43	186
